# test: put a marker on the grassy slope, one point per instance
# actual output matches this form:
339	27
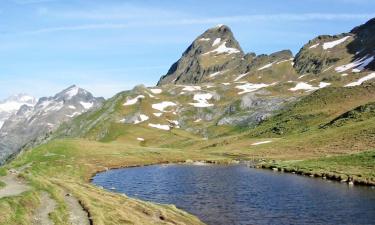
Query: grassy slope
303	144
359	167
68	165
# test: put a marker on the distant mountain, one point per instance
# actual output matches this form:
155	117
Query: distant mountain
12	104
33	123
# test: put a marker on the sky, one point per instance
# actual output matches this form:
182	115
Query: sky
107	46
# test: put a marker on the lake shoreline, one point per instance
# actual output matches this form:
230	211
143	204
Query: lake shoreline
256	164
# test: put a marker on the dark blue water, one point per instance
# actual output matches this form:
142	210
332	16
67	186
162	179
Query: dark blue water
222	195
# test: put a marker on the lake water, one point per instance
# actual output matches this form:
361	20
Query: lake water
224	195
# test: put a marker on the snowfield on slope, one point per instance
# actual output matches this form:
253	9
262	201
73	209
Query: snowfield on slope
163	105
223	49
87	105
308	87
159	126
261	142
331	44
360	81
358	64
132	101
156	90
266	66
202	100
191	88
249	87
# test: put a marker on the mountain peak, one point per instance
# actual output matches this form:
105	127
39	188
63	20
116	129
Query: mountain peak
196	64
71	92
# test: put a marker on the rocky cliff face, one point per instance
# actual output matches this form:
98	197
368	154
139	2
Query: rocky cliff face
215	56
33	123
325	51
210	55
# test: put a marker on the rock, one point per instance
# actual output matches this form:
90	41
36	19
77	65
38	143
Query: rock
196	64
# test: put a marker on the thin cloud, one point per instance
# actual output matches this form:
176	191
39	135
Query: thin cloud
208	21
77	28
26	2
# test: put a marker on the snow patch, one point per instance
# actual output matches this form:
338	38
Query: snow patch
73	115
1	124
302	86
332	44
156	91
223	49
141	118
87	105
202	100
215	74
266	66
240	76
158	114
191	88
204	39
249	87
359	64
360	81
72	92
71	107
308	87
162	105
324	84
159	126
140	139
261	142
216	42
175	123
314	46
132	101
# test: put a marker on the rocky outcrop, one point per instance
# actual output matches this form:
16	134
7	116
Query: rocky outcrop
324	51
253	108
215	51
313	58
364	42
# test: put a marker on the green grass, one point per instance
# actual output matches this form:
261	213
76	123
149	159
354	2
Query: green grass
69	164
3	171
2	184
360	167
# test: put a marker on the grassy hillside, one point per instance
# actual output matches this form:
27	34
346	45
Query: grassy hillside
330	133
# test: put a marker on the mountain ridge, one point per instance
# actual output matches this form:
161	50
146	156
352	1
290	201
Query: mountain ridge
31	124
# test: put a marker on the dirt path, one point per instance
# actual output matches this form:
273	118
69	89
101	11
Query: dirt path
13	185
47	206
78	216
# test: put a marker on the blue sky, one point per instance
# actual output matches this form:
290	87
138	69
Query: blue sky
107	46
